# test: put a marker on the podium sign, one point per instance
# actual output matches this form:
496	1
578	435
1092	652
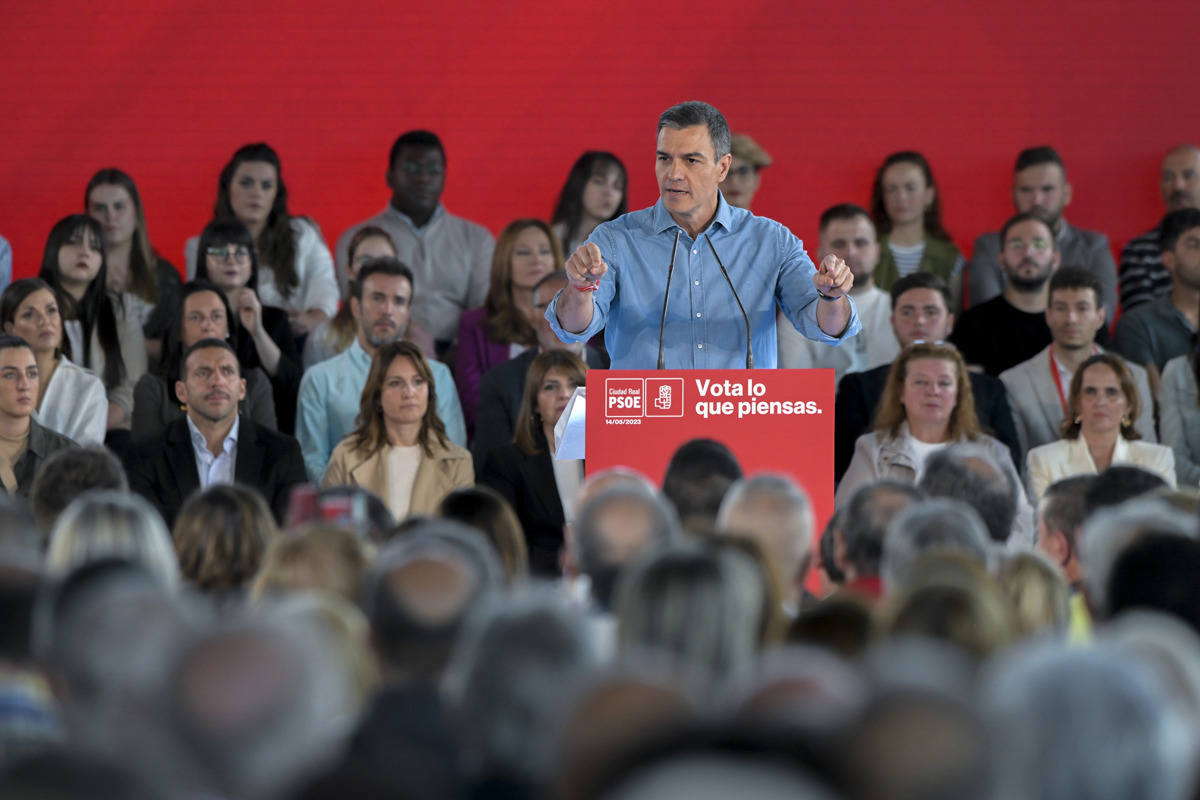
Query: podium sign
774	420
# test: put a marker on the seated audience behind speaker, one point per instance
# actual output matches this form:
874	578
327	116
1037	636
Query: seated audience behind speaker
920	313
539	487
103	332
1179	416
201	312
24	442
1099	429
400	449
595	192
71	400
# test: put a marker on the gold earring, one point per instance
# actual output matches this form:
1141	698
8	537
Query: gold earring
1126	421
1078	420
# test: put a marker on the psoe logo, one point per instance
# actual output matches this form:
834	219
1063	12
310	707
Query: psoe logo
624	397
664	397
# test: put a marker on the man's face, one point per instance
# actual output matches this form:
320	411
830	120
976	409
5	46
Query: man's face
385	308
853	241
688	172
921	316
213	386
547	338
1074	317
18	382
1181	179
1043	190
1184	260
416	179
1028	255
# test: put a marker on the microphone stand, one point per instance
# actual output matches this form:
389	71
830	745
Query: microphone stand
663	322
738	300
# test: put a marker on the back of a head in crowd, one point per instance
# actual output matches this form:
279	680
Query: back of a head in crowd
700	473
615	527
518	659
1089	724
967	474
317	557
697	609
934	526
486	510
69	473
864	522
1118	484
221	536
421	590
106	523
1158	572
775	513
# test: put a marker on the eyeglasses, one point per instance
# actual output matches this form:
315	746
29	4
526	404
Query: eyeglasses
1036	243
238	255
429	170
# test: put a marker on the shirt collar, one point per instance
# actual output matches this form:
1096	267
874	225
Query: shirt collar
663	221
199	442
357	353
407	220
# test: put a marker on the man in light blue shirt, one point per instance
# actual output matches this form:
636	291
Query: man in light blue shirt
692	227
330	392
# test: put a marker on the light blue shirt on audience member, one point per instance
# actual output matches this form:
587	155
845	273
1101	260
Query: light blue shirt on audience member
704	328
5	263
328	405
215	470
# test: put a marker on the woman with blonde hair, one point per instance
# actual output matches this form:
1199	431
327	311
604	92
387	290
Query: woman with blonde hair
400	450
927	404
1099	429
107	524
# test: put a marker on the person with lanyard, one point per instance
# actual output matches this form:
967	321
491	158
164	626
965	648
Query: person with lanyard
24	443
735	267
1037	387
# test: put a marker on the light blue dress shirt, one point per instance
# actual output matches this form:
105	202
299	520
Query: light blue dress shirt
328	405
215	470
704	329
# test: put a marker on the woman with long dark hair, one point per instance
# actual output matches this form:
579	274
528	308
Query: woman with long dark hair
595	192
297	272
149	282
103	333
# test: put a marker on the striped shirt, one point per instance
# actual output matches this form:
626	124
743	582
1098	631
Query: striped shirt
1141	272
908	259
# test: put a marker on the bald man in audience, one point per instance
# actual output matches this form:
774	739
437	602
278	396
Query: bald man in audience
776	513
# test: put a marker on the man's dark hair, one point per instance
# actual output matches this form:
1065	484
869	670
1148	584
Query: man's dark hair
866	517
694	112
963	473
1037	157
1116	485
1027	216
1158	572
204	344
699	475
920	280
415	139
1076	278
844	211
1062	505
1174	225
384	265
69	473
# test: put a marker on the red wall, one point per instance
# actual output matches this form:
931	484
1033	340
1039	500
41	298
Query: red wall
167	90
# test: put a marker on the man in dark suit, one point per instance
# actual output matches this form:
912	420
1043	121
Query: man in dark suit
920	313
213	444
501	389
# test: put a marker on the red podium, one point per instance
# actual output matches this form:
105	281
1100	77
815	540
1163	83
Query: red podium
776	420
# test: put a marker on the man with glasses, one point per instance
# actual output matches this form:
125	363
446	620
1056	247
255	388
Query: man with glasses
1010	328
745	171
451	258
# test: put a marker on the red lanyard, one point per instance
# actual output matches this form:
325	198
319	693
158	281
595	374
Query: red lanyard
1062	398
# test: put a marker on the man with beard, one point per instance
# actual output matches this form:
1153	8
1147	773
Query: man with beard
213	444
1008	329
847	232
1040	187
1154	333
1143	276
331	392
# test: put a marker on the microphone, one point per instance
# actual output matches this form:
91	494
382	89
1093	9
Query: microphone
738	300
662	323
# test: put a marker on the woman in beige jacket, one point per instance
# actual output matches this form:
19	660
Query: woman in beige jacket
400	450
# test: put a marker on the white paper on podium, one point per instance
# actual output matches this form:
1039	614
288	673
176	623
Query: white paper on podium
568	431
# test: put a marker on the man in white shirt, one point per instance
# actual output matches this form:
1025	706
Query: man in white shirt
450	257
847	232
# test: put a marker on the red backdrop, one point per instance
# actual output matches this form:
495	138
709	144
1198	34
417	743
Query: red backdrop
168	89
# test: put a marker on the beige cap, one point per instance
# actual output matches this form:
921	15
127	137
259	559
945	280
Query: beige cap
745	148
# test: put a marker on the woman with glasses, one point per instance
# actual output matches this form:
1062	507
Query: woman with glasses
263	333
296	267
134	267
103	333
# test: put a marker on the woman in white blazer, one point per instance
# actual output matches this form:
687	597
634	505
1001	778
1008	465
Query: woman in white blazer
1098	430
